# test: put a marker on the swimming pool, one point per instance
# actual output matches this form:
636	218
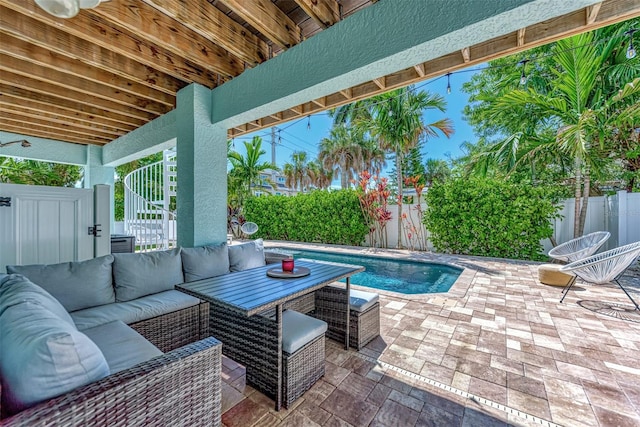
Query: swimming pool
407	277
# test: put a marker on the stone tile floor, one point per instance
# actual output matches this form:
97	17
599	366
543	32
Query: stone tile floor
498	349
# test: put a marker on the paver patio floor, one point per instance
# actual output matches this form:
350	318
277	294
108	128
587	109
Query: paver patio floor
498	349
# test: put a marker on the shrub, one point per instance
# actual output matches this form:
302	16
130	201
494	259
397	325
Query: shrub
490	218
319	216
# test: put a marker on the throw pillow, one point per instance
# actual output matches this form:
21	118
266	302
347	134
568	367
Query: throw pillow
140	274
246	255
204	262
76	285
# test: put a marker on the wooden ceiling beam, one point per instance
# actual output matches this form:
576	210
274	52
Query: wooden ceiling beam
268	19
44	58
207	20
88	87
31	130
63	106
38	86
87	29
419	69
324	12
62	119
466	55
60	44
592	13
43	123
141	19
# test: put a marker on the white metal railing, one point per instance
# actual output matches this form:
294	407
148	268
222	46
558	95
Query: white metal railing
148	192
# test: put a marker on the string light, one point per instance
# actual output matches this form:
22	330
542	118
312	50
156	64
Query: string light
523	75
233	143
631	51
448	83
279	137
309	122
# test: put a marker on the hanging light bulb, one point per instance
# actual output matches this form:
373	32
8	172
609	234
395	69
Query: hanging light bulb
279	137
631	50
523	75
233	143
448	82
308	122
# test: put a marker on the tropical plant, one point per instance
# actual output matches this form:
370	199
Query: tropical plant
319	216
373	196
32	172
319	176
246	170
579	114
395	119
488	217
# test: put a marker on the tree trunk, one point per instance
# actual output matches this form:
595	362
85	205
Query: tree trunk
343	177
400	190
585	198
578	192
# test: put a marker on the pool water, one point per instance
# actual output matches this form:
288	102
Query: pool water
407	277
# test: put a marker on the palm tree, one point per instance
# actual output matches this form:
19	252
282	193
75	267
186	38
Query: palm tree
581	110
246	170
319	176
343	153
395	119
297	172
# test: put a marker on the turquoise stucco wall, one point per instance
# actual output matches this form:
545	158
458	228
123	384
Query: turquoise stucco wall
202	170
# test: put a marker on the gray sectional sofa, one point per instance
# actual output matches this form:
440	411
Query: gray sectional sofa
111	339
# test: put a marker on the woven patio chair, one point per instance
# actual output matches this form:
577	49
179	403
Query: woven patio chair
605	267
249	228
580	248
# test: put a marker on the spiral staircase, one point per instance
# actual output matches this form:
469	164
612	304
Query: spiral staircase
149	194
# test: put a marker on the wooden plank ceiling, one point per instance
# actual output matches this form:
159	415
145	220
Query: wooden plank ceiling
110	70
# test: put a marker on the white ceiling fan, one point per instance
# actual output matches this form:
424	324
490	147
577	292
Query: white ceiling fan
67	8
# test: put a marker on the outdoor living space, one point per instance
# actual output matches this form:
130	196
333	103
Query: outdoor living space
498	349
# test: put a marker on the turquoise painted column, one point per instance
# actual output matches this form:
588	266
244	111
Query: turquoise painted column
96	173
202	170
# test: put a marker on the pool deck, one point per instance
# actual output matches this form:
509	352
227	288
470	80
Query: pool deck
497	349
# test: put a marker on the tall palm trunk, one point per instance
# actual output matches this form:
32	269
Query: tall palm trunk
578	192
585	198
344	184
400	191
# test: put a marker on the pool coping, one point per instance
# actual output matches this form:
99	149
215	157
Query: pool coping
457	290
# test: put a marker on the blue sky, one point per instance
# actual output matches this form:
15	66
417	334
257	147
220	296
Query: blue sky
296	136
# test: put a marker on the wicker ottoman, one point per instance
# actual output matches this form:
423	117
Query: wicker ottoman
302	354
550	274
364	316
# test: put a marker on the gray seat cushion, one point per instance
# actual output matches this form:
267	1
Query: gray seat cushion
140	274
134	311
76	285
205	261
121	346
361	301
43	356
299	329
16	289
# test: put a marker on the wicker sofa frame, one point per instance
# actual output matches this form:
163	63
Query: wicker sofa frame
181	387
174	330
330	306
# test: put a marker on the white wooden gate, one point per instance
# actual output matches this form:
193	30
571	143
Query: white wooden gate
45	225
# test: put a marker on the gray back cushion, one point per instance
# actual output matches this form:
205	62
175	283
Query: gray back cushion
43	356
140	274
76	285
16	289
246	255
204	262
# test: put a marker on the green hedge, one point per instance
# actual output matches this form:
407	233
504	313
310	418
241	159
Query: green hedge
490	218
320	216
